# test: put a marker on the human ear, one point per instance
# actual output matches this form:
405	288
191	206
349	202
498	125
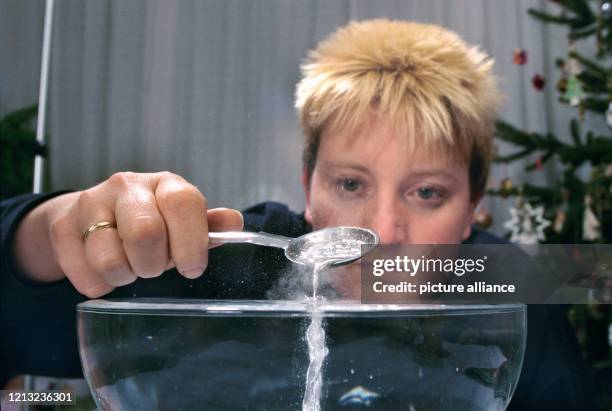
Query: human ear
469	220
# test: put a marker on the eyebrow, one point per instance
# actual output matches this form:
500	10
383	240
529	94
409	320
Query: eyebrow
416	174
327	165
434	173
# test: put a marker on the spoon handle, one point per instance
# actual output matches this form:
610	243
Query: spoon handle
261	238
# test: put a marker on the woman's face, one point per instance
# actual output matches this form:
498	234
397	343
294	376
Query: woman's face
369	178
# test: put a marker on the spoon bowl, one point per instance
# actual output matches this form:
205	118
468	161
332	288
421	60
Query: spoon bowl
334	245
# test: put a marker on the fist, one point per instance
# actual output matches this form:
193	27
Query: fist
158	221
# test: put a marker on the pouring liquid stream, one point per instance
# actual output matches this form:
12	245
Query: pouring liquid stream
321	258
317	349
319	250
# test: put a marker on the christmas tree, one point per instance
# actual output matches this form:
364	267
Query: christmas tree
573	209
19	146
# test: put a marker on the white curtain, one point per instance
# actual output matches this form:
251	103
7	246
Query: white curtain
204	88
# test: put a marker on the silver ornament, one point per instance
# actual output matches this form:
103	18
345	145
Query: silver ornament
606	9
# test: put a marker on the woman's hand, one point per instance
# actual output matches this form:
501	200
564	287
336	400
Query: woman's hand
158	221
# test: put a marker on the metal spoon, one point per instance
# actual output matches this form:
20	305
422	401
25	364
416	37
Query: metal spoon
335	245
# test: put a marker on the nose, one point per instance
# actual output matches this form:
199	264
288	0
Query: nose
389	221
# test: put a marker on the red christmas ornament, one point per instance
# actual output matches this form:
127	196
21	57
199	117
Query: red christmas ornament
519	57
538	164
538	82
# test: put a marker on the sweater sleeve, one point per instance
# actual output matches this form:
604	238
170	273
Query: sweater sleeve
36	320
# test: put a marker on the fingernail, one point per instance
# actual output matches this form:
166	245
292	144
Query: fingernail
241	217
193	272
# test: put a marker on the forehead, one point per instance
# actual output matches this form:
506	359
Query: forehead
376	141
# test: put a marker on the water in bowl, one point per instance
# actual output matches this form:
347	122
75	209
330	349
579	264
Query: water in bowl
225	355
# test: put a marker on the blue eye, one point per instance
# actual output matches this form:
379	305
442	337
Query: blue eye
349	184
426	193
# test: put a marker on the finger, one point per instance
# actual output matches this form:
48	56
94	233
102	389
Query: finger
104	252
224	219
143	232
103	248
68	247
183	208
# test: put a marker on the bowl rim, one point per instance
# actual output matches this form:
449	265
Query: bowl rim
206	308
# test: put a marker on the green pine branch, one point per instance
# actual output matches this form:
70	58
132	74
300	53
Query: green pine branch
536	194
606	47
575	132
582	18
592	83
596	105
18	144
543	161
18	118
512	157
576	34
597	150
529	142
590	64
511	134
579	7
592	104
549	18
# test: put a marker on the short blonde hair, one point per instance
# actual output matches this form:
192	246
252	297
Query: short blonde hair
424	78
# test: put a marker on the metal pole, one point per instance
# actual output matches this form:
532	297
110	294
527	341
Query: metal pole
40	126
42	94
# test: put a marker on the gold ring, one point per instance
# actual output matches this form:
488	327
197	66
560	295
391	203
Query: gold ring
98	226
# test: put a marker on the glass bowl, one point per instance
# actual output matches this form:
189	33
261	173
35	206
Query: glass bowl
161	354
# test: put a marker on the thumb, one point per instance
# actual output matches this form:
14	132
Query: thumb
221	219
224	219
